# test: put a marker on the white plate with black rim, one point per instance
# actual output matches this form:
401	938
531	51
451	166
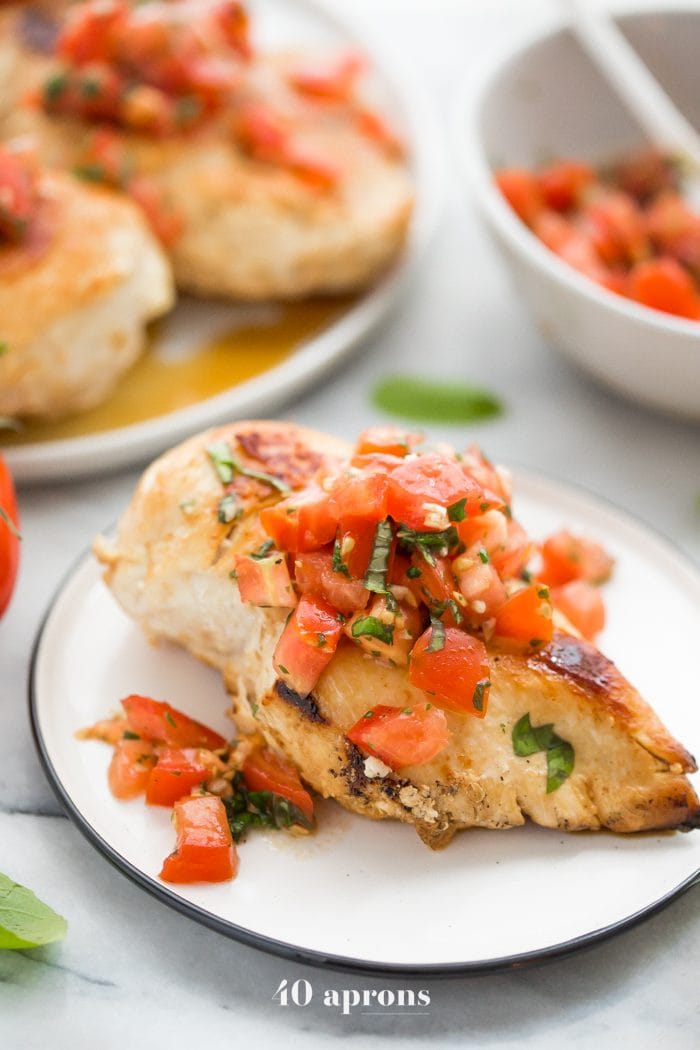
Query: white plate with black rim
365	895
211	361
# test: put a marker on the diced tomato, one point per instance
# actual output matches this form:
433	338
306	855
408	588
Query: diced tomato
130	768
510	560
480	586
362	495
583	606
564	183
156	720
389	440
315	574
175	774
17	195
232	18
496	482
387	634
675	229
576	248
436	585
263	770
90	31
615	224
522	190
204	850
645	173
455	672
334	83
376	462
401	737
265	581
567	557
9	536
307	644
355	545
431	481
663	284
377	130
302	522
487	531
526	616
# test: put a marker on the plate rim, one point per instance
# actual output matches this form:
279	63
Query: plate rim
104	452
310	956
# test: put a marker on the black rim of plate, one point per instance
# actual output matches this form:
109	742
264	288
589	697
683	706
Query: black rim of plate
309	956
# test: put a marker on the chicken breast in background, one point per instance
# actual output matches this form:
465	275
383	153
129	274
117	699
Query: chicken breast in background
170	567
274	191
76	293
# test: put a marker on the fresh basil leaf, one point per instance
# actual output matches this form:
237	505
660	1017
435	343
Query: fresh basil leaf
480	693
229	509
260	809
374	628
457	511
25	921
338	564
226	465
375	577
427	542
437	637
263	550
529	740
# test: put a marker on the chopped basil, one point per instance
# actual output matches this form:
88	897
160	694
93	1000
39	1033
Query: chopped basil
25	921
526	575
338	563
375	577
479	694
4	348
321	639
413	572
128	735
439	608
90	172
55	86
91	87
260	809
529	740
427	542
457	511
187	109
437	637
226	465
283	669
484	555
374	628
229	509
543	592
170	720
263	550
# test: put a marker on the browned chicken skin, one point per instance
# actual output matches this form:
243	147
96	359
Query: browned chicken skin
169	567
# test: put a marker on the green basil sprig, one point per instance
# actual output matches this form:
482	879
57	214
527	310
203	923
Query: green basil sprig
529	740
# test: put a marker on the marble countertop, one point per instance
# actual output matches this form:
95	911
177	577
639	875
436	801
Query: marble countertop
132	966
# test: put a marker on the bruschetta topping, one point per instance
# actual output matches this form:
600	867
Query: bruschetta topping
415	557
19	192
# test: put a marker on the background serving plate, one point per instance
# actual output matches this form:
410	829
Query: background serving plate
210	360
365	895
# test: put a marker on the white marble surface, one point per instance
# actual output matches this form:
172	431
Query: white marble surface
132	967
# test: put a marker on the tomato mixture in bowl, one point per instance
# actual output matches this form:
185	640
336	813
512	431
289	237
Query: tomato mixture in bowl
625	225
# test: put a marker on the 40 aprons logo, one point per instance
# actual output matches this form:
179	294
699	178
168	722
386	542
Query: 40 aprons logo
366	1000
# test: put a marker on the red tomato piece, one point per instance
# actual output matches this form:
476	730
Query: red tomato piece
9	536
90	32
175	774
204	850
564	183
263	770
526	616
335	83
362	496
307	644
480	586
456	673
434	481
389	440
401	737
567	557
302	522
130	768
615	225
583	606
663	284
17	195
156	720
355	544
314	574
265	581
522	190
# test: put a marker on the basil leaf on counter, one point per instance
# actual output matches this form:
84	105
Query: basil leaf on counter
529	740
25	921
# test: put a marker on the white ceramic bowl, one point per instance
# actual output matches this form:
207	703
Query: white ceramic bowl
545	100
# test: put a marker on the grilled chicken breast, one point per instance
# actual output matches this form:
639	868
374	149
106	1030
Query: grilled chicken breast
75	300
170	565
